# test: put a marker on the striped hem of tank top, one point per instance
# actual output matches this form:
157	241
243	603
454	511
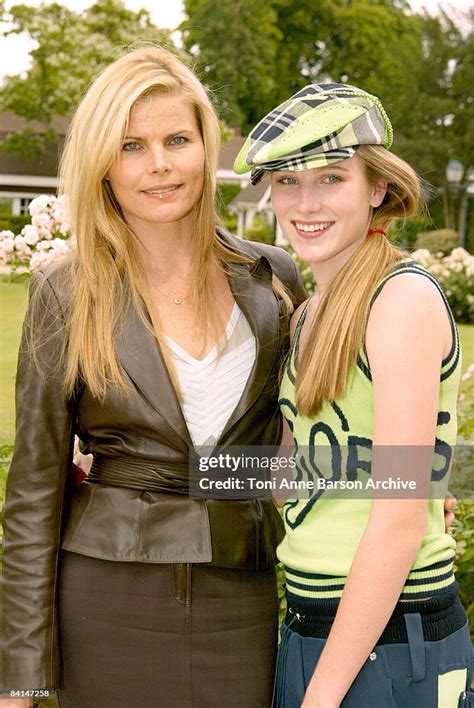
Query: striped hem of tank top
450	362
441	615
434	579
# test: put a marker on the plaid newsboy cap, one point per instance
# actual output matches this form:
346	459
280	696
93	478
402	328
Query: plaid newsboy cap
319	125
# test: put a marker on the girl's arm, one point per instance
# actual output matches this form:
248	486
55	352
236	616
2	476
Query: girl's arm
407	335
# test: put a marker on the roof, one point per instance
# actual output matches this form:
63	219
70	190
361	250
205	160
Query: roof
229	152
10	123
251	194
46	164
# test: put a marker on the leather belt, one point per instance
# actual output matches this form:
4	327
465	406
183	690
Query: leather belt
141	474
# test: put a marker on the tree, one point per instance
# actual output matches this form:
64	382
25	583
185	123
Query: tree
256	55
72	47
235	43
463	100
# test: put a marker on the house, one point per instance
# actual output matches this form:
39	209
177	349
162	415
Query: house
227	155
252	200
22	180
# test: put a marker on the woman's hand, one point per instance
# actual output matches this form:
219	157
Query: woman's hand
450	504
84	462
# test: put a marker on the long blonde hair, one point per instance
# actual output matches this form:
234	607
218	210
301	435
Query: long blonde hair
339	324
106	275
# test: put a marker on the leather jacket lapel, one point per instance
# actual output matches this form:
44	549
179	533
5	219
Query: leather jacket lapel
140	356
252	289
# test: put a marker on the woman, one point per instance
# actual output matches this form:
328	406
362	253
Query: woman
369	389
124	590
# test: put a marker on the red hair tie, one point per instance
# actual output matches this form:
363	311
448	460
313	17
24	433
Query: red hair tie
376	231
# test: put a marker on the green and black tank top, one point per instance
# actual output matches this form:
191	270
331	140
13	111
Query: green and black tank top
323	531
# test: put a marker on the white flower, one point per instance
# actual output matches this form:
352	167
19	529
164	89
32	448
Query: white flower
45	233
6	234
60	246
38	260
421	253
470	368
21	246
7	245
40	204
459	253
466	376
43	245
58	210
435	268
42	221
22	269
64	228
30	234
5	270
19	242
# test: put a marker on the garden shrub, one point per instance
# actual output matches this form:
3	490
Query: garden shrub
455	273
405	233
260	231
442	240
14	223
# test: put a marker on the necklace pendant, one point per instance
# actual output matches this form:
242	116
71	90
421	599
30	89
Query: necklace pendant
177	301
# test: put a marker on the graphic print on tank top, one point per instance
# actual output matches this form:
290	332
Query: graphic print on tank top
337	443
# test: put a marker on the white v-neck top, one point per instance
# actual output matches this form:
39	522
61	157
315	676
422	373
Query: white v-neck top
213	386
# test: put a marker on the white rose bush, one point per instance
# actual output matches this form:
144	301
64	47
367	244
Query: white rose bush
43	241
455	274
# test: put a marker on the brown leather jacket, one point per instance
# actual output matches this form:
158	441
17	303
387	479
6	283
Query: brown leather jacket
120	519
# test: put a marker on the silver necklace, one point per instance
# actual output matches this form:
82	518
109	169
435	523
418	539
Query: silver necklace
176	300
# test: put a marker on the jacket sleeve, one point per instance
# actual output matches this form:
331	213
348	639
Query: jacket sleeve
37	487
297	289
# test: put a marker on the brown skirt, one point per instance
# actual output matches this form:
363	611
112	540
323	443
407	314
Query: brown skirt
143	635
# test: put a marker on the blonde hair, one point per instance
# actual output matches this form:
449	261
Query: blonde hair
339	324
105	274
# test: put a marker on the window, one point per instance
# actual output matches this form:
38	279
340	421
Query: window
24	204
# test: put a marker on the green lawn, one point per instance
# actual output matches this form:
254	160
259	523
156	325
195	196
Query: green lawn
13	299
466	334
